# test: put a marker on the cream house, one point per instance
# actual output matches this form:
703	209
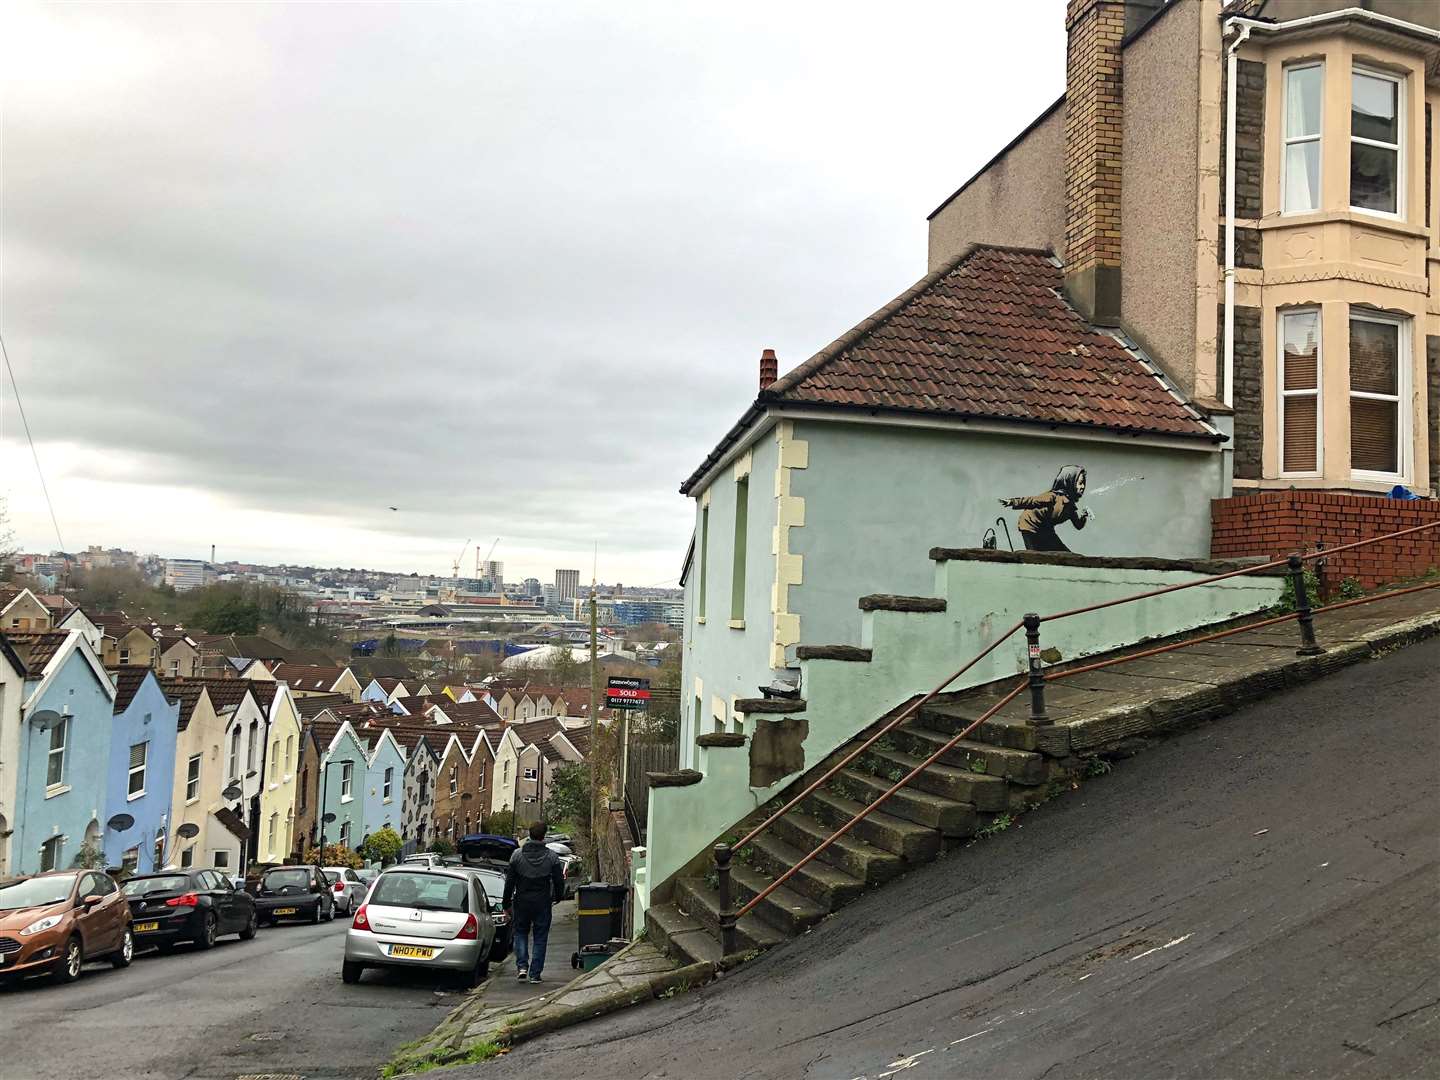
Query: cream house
278	797
21	609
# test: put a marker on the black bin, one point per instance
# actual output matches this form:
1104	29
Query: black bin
600	909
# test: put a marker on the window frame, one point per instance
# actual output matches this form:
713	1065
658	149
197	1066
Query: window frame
347	781
1318	393
193	781
702	585
130	792
222	858
1398	146
454	780
387	784
739	553
233	759
345	834
52	848
63	730
1287	140
1404	436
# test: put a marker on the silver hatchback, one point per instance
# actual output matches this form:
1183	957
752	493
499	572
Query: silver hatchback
417	917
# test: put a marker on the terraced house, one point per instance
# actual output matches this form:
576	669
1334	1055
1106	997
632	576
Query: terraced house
1192	310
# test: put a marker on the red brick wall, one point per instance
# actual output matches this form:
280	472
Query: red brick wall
1276	523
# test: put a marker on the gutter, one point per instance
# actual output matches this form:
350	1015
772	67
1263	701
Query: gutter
1246	26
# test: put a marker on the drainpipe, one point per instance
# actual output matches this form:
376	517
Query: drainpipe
1229	339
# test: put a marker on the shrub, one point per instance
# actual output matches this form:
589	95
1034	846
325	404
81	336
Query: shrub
382	846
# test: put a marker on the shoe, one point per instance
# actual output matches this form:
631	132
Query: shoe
520	975
536	979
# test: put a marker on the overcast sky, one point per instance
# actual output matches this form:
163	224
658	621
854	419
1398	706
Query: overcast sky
269	270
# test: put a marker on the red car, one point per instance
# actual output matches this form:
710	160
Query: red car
53	923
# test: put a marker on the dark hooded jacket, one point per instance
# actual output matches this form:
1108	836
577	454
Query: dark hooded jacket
534	875
1055	507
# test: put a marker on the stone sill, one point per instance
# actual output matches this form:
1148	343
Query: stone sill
1098	562
1352	217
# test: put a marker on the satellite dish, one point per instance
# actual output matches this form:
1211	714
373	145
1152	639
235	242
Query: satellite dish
188	831
234	791
327	818
45	719
120	822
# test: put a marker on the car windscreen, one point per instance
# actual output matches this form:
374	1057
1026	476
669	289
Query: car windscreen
35	892
144	886
275	879
430	892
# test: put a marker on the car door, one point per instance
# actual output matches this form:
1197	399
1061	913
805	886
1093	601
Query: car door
117	909
220	899
94	934
354	889
480	907
319	885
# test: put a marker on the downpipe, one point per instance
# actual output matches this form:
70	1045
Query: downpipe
1228	348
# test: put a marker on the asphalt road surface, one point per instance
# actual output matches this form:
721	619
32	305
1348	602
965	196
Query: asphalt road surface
1254	898
273	1006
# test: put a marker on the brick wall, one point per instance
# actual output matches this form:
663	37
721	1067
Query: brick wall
1432	391
1093	86
1276	523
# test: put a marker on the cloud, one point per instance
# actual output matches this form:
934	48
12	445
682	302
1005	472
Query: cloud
270	269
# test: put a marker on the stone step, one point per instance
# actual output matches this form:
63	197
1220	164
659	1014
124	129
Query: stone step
860	860
983	792
786	908
949	817
913	843
680	935
702	900
1010	733
1020	766
827	885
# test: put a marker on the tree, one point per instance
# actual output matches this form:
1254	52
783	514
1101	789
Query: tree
333	855
90	857
8	547
442	847
382	846
501	823
569	798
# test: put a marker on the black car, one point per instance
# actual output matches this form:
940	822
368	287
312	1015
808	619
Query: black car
493	882
294	892
187	905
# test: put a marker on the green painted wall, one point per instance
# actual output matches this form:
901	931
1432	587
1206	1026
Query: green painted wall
877	499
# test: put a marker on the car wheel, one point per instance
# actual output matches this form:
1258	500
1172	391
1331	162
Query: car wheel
329	912
68	968
350	973
206	936
126	952
315	915
251	926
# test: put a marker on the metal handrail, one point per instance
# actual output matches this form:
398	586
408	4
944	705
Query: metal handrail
1035	680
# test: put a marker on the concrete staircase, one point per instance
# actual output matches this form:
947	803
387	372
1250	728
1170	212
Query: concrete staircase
973	784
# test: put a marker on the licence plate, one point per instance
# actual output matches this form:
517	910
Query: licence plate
414	952
141	927
287	911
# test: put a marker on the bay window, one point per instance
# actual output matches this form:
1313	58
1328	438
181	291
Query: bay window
1304	89
1300	392
1375	125
1378	366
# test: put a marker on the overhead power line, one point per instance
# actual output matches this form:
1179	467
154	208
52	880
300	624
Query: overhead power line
20	407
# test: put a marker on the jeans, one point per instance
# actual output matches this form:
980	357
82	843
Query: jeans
531	919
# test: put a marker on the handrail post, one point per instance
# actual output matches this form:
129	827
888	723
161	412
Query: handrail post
727	906
1308	645
1038	715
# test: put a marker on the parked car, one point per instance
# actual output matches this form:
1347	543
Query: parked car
347	888
425	858
53	922
493	882
367	876
422	917
294	892
197	906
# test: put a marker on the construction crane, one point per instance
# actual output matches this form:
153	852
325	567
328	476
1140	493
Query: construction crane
455	571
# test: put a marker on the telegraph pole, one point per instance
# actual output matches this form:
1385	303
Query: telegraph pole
594	725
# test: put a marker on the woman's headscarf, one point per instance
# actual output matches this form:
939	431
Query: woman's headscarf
1067	482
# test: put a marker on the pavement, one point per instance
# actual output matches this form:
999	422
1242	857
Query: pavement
1255	897
272	1007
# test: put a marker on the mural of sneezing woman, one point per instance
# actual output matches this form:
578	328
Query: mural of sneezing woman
1042	513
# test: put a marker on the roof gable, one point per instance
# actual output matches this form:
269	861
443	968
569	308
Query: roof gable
990	336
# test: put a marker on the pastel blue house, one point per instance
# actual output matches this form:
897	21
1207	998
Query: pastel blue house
384	797
61	794
344	774
141	771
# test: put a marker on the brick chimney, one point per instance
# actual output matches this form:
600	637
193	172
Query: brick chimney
769	368
1093	113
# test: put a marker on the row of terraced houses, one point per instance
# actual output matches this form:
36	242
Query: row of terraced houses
119	753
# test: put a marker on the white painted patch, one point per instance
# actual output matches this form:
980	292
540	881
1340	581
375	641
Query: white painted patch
1092	492
907	1062
967	1038
1085	976
1168	945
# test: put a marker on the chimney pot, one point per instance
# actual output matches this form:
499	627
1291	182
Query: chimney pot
769	368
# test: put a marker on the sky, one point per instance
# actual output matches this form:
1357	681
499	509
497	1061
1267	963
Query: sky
268	270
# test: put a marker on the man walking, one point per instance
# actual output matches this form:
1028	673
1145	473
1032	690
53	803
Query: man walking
533	881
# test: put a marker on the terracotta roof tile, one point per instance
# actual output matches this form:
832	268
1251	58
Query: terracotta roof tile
307	676
36	648
128	679
988	337
315	704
